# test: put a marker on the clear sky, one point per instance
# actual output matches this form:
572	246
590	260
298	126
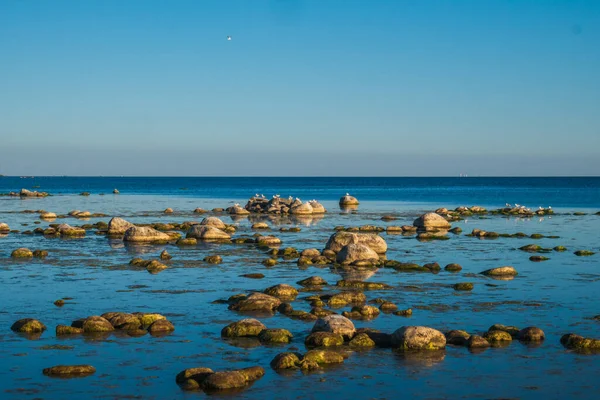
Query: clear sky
320	87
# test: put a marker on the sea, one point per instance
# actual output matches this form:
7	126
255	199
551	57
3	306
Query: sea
559	295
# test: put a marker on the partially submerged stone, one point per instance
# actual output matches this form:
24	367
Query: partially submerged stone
161	326
352	253
63	330
577	342
362	340
463	286
312	281
145	234
28	325
500	272
213	221
477	342
232	379
348	200
418	338
117	226
324	339
286	360
497	336
431	222
335	324
320	356
21	253
256	302
248	327
340	239
282	291
457	337
345	298
207	233
275	336
531	334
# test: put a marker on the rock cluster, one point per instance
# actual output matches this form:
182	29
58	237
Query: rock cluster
278	205
210	381
135	324
29	193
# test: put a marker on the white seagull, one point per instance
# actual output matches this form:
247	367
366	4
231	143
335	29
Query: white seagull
228	37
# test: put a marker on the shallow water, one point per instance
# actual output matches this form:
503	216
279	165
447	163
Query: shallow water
558	295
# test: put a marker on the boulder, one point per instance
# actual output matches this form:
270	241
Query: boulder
317	208
282	291
237	210
21	253
302	209
208	233
244	328
431	222
65	371
531	334
94	324
500	272
576	342
324	339
117	226
285	361
335	324
352	253
145	234
67	230
348	200
232	379
418	338
4	228
275	336
214	222
28	325
340	239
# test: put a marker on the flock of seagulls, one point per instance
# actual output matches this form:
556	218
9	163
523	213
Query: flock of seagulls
508	205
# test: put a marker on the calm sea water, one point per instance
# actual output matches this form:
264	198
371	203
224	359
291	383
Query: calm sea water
559	295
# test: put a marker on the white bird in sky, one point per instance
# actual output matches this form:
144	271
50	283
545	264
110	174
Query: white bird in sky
228	37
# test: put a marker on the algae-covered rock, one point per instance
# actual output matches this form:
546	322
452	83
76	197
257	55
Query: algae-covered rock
463	286
418	338
63	330
232	379
147	319
312	281
275	336
256	302
531	334
513	331
453	267
324	339
94	324
584	253
197	374
65	371
22	253
161	326
577	342
244	328
497	336
361	340
286	360
215	259
345	298
323	356
28	325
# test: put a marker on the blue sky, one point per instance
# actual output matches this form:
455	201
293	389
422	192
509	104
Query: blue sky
321	87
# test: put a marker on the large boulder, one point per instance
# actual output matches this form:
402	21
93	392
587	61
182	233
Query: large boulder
418	338
28	325
317	208
4	228
213	221
21	252
207	233
340	239
237	210
356	252
335	324
282	291
431	222
232	379
117	226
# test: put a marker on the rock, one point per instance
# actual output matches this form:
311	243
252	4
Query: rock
324	339
216	259
275	336
345	298
4	228
232	379
453	268
65	371
418	338
161	326
115	191
352	253
257	302
208	233
584	253
317	208
477	342
348	200
538	258
362	340
145	234
269	262
147	319
312	281
29	193
340	239
260	225
199	210
513	331
463	286
164	255
362	312
500	271
335	324
168	211
187	242
404	313
457	337
268	241
22	253
388	307
323	356
531	334
253	276
285	361
431	222
197	374
214	222
28	325
70	231
283	292
576	342
63	330
154	267
123	321
497	336
356	284
248	327
237	210
117	226
94	324
302	209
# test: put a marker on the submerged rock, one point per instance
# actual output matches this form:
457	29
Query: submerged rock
65	371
